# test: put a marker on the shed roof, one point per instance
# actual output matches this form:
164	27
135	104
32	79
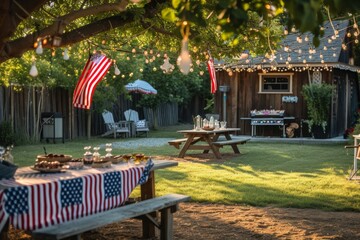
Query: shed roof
297	50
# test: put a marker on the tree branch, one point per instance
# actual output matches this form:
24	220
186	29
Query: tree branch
17	47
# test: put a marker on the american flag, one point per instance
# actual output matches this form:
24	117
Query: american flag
95	69
211	68
41	205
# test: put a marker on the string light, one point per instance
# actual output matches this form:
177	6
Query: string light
66	54
39	50
33	70
117	71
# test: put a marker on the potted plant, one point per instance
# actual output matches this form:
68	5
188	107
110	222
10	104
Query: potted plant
318	100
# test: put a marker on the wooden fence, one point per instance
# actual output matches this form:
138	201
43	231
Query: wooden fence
22	107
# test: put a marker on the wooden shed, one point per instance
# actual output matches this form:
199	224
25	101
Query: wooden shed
275	82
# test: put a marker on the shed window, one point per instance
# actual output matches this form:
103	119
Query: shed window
275	83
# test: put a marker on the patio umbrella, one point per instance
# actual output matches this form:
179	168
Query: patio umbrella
140	86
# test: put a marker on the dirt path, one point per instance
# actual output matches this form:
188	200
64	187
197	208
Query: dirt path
230	222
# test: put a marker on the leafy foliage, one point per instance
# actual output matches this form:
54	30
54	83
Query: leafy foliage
318	99
7	137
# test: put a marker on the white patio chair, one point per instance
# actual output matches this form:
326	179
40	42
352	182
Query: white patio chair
141	126
115	128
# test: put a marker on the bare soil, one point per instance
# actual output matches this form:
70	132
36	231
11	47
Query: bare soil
232	222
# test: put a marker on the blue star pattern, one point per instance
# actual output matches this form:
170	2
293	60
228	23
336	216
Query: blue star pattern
17	200
112	184
145	175
71	192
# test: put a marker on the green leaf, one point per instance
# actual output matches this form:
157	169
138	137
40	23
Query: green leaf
169	14
176	3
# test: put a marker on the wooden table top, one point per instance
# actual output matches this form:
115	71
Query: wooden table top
201	131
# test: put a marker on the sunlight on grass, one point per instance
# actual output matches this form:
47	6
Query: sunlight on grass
277	174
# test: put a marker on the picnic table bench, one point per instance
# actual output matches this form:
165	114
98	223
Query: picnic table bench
177	142
167	205
231	142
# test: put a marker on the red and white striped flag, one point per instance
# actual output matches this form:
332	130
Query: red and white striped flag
211	68
94	71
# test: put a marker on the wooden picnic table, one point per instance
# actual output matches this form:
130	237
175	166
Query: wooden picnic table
211	140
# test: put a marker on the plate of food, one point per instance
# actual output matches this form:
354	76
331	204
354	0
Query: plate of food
48	170
101	164
113	159
54	157
75	163
48	167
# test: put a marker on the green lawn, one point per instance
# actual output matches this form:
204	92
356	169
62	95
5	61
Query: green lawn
277	174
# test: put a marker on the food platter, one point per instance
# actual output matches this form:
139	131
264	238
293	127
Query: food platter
113	159
48	170
101	164
54	157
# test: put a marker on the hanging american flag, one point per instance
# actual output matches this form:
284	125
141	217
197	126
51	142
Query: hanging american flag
211	68
95	69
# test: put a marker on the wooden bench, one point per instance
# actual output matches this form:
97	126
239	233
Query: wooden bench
177	142
233	141
167	205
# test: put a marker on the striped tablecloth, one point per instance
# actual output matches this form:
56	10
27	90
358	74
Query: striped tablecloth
34	200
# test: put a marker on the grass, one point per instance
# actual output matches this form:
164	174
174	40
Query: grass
265	174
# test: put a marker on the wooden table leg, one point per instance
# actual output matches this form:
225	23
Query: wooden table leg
148	191
4	234
188	142
214	139
234	146
214	149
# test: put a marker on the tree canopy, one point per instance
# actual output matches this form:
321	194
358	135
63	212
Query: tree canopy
225	27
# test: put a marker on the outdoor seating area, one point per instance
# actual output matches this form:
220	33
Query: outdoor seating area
180	120
139	127
115	128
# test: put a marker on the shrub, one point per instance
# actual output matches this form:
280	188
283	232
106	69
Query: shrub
7	136
318	99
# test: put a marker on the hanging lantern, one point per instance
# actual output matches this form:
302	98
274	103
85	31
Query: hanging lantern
184	60
39	50
117	71
33	70
66	54
167	67
56	41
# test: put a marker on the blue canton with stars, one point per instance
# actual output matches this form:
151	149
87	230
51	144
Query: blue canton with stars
112	184
71	192
145	175
17	200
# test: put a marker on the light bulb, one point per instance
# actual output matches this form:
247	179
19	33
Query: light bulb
66	54
39	49
117	71
184	60
33	70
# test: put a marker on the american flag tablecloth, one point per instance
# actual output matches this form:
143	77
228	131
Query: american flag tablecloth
34	200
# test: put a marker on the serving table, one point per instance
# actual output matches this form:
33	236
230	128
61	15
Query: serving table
33	200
